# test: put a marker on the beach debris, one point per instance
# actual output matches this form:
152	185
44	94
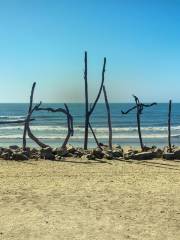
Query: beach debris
139	110
89	109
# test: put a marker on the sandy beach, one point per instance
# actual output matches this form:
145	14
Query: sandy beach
80	199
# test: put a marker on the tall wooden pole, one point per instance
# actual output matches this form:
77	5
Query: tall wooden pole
169	126
109	117
86	104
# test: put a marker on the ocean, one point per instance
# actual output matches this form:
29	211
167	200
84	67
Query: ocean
51	128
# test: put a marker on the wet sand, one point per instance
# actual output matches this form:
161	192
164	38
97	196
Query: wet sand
79	199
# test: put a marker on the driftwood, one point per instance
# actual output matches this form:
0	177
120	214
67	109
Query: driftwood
109	117
94	135
27	129
69	120
88	111
139	107
169	126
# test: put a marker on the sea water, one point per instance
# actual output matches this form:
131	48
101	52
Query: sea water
51	128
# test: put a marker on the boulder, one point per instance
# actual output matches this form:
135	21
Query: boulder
46	153
116	146
61	152
6	156
129	154
58	158
109	155
117	153
98	153
14	147
90	156
176	153
70	148
143	156
19	156
168	156
158	153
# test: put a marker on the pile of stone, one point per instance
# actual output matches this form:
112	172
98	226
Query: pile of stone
170	154
16	153
103	152
147	154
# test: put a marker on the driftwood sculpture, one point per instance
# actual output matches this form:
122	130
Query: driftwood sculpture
37	108
69	120
88	112
139	107
27	129
169	126
109	117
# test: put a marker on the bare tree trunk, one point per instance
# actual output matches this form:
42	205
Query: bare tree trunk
86	104
109	118
169	126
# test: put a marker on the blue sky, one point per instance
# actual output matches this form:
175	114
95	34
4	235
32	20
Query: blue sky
45	40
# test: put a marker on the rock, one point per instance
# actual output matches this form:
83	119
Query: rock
14	147
108	155
129	153
143	156
158	153
98	153
58	158
168	156
70	148
6	156
117	153
46	153
19	156
116	146
90	156
78	154
176	153
61	152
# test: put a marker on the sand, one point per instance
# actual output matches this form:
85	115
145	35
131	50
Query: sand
79	199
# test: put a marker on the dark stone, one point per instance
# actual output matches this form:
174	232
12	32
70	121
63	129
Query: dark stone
90	156
6	156
14	147
98	153
19	156
168	156
46	153
117	153
143	156
70	148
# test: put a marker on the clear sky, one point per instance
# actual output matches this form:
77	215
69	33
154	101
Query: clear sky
45	40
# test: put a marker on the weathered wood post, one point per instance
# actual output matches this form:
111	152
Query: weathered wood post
109	117
139	107
169	126
88	111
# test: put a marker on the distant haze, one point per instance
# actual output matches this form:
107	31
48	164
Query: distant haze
45	40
